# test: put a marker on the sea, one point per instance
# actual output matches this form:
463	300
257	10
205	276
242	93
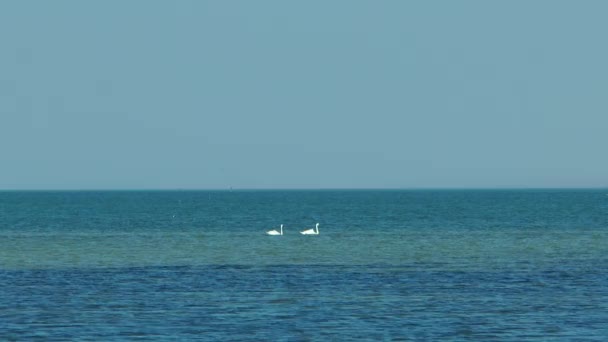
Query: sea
387	265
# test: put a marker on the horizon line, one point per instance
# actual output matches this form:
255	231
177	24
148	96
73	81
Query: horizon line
300	189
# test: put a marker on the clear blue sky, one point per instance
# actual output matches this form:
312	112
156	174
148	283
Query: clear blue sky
303	94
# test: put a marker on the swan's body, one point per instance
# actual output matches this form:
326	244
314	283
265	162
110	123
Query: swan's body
275	232
311	231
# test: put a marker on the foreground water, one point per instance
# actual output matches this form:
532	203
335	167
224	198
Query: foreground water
388	265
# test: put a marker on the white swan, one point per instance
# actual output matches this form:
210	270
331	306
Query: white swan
275	232
311	231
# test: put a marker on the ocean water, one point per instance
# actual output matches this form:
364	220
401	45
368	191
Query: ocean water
508	265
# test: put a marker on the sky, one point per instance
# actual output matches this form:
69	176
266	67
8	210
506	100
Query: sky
280	94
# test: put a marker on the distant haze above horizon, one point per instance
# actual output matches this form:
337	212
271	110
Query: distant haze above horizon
297	95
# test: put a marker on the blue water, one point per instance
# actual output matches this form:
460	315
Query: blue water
387	265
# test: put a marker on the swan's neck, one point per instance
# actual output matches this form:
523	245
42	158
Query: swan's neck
281	229
317	228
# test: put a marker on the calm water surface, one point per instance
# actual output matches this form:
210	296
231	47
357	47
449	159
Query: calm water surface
388	265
